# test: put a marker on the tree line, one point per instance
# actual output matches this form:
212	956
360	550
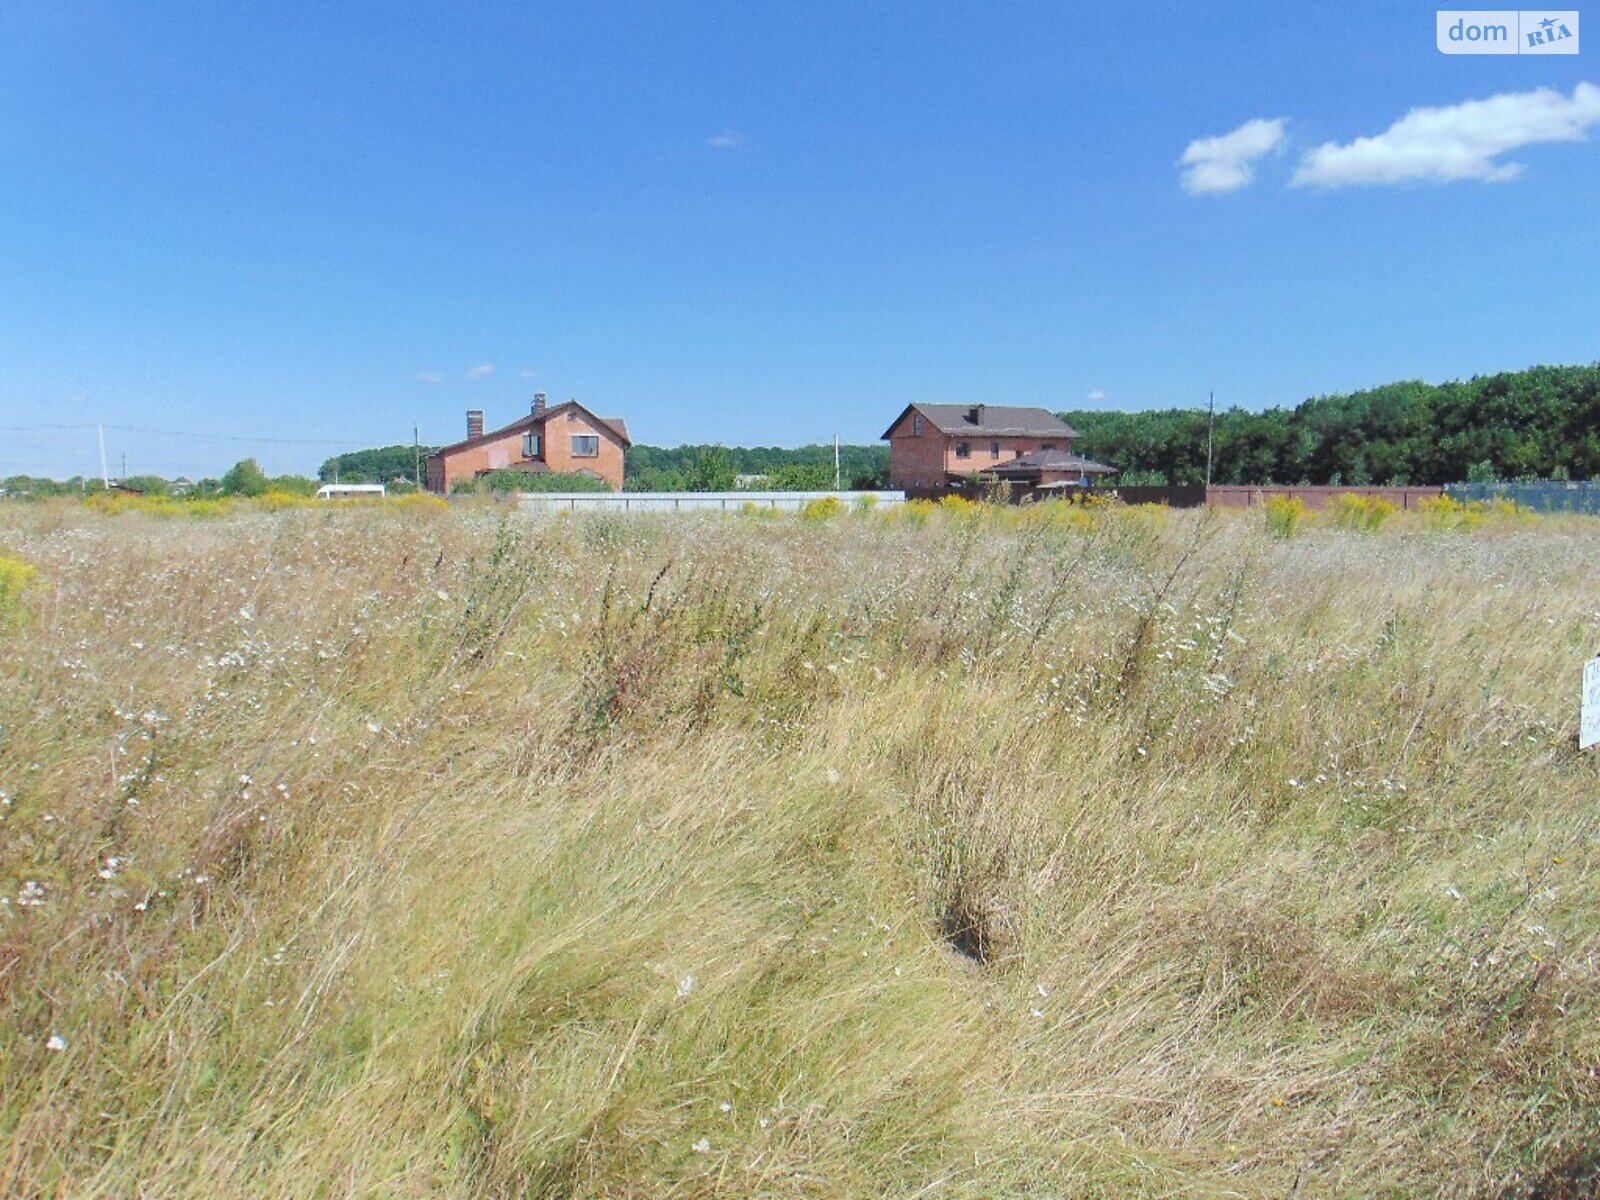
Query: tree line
1539	423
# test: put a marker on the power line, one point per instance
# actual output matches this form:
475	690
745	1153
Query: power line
183	433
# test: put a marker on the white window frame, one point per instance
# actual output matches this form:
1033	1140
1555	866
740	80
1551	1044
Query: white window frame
585	437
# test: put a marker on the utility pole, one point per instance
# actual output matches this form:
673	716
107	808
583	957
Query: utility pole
837	478
124	464
416	454
1211	424
105	476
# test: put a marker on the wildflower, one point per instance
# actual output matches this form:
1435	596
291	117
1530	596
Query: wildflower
725	1107
56	1042
685	986
703	1146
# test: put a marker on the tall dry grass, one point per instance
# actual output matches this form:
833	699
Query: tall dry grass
943	852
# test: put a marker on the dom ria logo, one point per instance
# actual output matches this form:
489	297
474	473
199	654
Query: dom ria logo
1507	32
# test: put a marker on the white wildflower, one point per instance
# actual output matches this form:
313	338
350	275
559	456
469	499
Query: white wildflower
56	1042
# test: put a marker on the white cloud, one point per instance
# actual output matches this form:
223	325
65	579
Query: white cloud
1460	141
529	373
726	140
1226	163
429	377
479	371
1097	397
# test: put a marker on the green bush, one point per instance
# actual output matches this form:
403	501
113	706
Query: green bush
1284	515
14	577
1366	514
529	481
824	509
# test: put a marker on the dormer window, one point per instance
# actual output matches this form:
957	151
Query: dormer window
916	424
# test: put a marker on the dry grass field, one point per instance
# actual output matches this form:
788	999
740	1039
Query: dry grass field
401	852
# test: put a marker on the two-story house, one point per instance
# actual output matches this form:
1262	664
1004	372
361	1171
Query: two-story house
566	438
934	446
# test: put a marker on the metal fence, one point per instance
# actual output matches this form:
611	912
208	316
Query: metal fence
694	501
1543	495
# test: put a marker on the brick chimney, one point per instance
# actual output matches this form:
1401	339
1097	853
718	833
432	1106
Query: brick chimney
538	404
474	422
975	414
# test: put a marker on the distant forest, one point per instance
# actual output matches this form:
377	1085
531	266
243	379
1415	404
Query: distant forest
1540	423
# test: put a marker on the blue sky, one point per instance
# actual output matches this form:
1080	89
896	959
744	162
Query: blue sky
300	229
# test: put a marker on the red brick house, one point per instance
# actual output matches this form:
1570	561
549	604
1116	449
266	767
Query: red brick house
933	447
566	438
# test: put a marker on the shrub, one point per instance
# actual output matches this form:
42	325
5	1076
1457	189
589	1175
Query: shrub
912	512
757	512
865	504
823	509
14	577
419	502
1284	515
512	480
1365	514
1056	514
275	500
1444	513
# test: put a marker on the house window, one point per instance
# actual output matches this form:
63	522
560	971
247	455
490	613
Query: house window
1048	446
585	446
916	424
963	449
532	445
994	449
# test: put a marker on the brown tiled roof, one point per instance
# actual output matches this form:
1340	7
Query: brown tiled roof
616	424
989	420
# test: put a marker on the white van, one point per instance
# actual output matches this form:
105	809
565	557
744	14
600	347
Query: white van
346	491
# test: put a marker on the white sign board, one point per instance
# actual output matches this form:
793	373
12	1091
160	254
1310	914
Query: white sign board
1589	714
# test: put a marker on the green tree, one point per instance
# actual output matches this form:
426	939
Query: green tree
246	478
800	477
711	470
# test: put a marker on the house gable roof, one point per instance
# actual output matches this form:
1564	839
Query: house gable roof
988	420
617	426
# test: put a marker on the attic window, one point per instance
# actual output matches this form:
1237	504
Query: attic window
585	447
916	424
